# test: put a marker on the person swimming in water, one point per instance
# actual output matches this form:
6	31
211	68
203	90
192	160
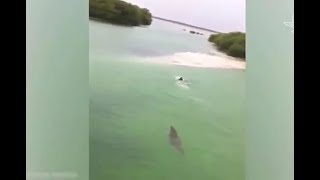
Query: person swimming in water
182	82
179	78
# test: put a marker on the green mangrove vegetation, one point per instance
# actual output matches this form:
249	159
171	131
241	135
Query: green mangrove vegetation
119	12
233	44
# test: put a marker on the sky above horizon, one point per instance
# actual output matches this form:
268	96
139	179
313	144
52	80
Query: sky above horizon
219	15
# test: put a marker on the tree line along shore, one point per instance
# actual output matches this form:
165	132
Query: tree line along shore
119	12
233	43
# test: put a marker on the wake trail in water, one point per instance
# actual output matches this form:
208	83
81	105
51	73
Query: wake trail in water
183	85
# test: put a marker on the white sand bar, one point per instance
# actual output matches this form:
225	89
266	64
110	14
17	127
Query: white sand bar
200	60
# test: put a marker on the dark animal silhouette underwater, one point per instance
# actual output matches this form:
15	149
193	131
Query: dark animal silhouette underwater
175	140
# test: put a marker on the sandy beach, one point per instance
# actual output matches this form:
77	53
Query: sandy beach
200	60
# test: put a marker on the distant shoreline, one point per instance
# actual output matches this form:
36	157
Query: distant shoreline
185	24
170	21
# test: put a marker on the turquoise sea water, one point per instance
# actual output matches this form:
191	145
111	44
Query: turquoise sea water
133	105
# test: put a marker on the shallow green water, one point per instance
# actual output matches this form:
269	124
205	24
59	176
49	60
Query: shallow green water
133	105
